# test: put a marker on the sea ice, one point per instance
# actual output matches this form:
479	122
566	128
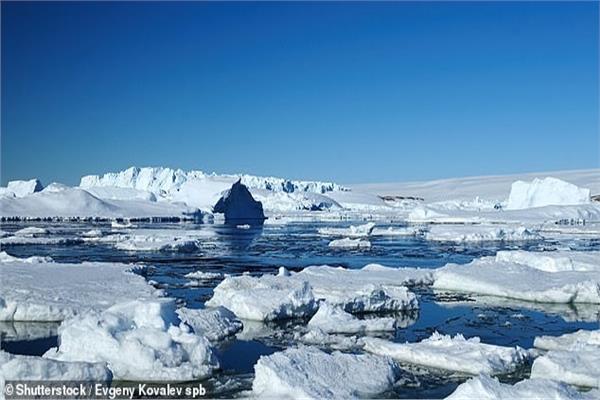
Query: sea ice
139	341
347	243
31	231
355	231
495	277
333	319
157	240
479	233
7	258
204	276
309	373
213	323
568	340
553	261
545	192
452	353
264	299
486	388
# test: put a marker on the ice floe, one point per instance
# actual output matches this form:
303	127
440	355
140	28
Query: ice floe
452	353
264	298
486	388
479	233
347	243
67	289
501	276
545	192
204	276
213	323
352	231
568	340
333	319
156	239
139	341
554	261
7	258
309	373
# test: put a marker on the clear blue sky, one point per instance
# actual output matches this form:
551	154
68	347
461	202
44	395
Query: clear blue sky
350	92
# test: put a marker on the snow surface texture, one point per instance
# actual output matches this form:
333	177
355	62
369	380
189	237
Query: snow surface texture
347	243
213	323
572	358
479	233
452	353
333	319
238	205
308	373
139	341
92	286
264	299
18	367
485	388
523	276
545	192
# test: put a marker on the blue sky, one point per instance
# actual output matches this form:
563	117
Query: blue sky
350	92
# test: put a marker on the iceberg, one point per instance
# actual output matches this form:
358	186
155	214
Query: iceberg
238	205
309	373
545	192
486	388
456	353
24	188
140	341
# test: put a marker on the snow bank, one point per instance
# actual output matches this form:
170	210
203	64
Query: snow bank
139	341
479	233
213	323
452	354
67	289
264	299
308	373
24	188
333	319
352	231
545	192
347	243
18	367
495	277
572	358
485	388
238	204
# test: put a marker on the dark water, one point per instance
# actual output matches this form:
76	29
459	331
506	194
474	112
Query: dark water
297	245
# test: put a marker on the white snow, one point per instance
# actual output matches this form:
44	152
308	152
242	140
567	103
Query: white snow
486	388
266	298
452	353
347	243
92	233
333	319
213	323
139	340
33	290
495	276
545	192
309	373
19	367
479	233
24	188
572	358
31	231
353	231
412	230
204	276
121	193
7	258
553	261
181	240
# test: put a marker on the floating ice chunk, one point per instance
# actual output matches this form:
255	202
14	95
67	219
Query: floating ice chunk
568	340
545	192
333	319
243	226
213	323
317	337
24	188
486	388
37	240
67	289
139	341
347	243
452	353
121	225
31	231
238	204
18	367
352	231
92	233
488	276
157	240
412	230
6	258
264	299
308	373
577	365
553	261
479	233
204	276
